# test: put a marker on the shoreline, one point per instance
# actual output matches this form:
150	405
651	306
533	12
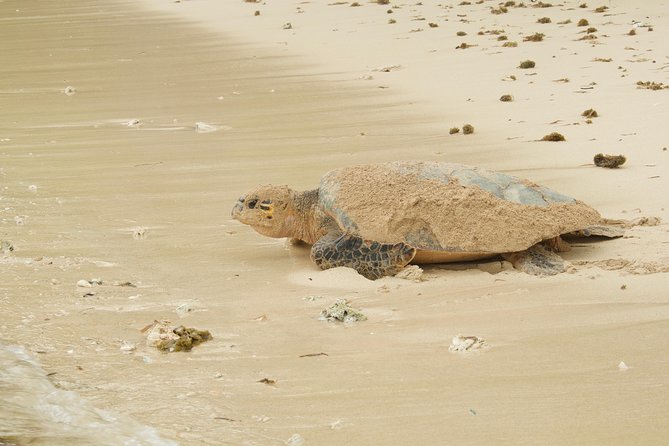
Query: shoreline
451	87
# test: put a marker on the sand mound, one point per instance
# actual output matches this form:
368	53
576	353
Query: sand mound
441	206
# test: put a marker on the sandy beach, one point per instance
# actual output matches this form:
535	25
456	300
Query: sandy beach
129	129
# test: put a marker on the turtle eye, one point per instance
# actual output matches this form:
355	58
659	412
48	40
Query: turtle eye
252	203
266	205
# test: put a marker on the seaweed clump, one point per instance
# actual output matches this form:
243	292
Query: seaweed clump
554	137
168	338
609	161
6	246
527	64
590	113
544	20
467	129
648	85
341	311
536	37
506	98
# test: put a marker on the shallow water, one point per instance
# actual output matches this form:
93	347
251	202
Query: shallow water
36	412
163	127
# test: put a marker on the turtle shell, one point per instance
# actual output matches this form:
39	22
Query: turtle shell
448	207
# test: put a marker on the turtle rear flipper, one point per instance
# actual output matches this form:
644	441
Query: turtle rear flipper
371	259
537	261
601	230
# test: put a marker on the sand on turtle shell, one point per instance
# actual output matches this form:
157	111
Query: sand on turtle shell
389	207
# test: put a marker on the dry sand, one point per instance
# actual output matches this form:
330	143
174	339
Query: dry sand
84	195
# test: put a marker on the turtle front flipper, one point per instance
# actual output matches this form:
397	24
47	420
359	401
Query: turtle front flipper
537	261
371	259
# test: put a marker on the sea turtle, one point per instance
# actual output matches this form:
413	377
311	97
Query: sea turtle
377	218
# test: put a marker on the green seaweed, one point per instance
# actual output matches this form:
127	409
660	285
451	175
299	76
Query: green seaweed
341	311
6	246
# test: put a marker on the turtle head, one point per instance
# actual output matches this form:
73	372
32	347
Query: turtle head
270	210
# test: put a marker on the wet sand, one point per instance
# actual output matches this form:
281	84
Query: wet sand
84	195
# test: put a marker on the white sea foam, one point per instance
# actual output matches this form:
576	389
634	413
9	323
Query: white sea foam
33	411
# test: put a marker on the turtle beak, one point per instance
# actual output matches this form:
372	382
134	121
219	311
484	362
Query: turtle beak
237	208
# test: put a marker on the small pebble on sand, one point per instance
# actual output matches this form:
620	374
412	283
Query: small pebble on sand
127	347
411	272
139	233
